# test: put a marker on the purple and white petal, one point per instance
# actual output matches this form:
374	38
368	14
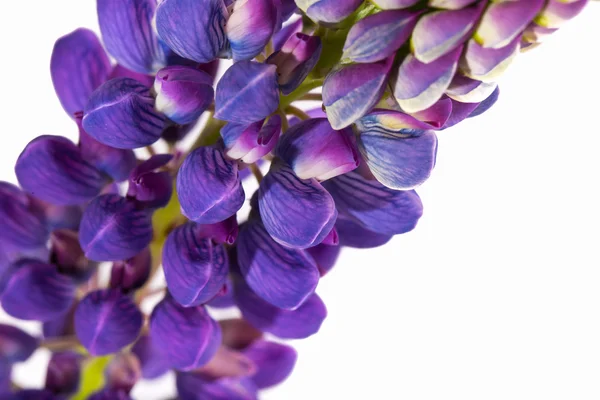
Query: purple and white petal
250	27
460	111
394	4
436	115
557	12
487	64
467	90
286	32
274	362
328	11
486	104
450	4
16	345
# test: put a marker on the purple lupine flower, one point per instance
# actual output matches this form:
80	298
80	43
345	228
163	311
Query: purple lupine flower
191	386
250	27
123	372
15	345
328	11
131	274
63	373
274	362
249	143
152	360
148	187
68	257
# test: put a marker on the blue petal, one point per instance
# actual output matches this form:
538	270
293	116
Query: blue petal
297	213
353	234
247	92
52	169
121	114
106	321
126	27
194	29
112	229
78	66
15	344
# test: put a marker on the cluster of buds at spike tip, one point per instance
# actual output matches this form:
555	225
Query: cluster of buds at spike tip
392	72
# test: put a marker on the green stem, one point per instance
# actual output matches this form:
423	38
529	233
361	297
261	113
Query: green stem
297	112
303	89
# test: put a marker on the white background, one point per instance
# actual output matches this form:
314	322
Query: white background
495	295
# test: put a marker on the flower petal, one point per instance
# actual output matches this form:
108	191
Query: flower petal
281	276
133	273
247	92
325	255
460	111
394	4
487	64
374	206
250	143
275	362
188	336
436	115
353	234
297	213
194	29
66	254
284	34
123	372
150	188
152	358
52	169
120	71
450	4
15	344
193	386
486	104
468	90
250	27
557	12
62	376
328	11
78	66
127	32
112	229
208	186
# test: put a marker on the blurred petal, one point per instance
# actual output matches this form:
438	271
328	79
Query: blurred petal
352	91
250	27
194	267
183	93
297	213
325	256
378	36
36	291
418	86
52	169
450	4
394	4
329	11
300	323
120	71
109	394
112	229
106	321
468	90
62	325
152	358
208	186
151	189
61	217
194	29
66	254
173	133
247	92
315	150
228	363
504	21
123	372
487	64
192	386
78	66
131	274
127	32
374	206
281	276
189	336
15	345
63	373
238	333
557	12
274	361
121	114
352	234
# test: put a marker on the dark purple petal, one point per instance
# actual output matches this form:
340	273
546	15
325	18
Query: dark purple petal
224	298
274	361
173	133
133	273
394	4
247	92
208	186
29	394
112	229
238	333
194	29
78	66
286	324
5	378
195	268
15	345
374	206
60	326
61	217
121	114
63	373
127	32
36	291
557	12
329	11
68	257
52	169
183	93
192	386
227	363
250	143
110	394
120	71
151	189
434	116
353	234
123	372
460	111
297	213
152	358
281	276
315	150
250	27
189	336
106	321
325	255
448	4
221	232
284	34
350	92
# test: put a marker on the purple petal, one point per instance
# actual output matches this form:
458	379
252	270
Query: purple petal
52	169
281	276
123	372
221	232
62	376
112	229
247	92
30	394
120	71
275	362
223	299
189	336
436	115
325	255
503	21
194	29
121	114
487	64
250	27
60	326
297	213
295	60
60	217
394	4
151	189
557	12
66	254
366	43
486	104
467	90
374	206
313	113
352	91
173	133
133	273
106	321
238	333
208	186
439	32
36	291
127	32
450	4
250	143
315	150
418	86
192	386
352	234
183	93
15	345
110	394
78	66
152	358
300	323
195	268
460	111
284	34
329	11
